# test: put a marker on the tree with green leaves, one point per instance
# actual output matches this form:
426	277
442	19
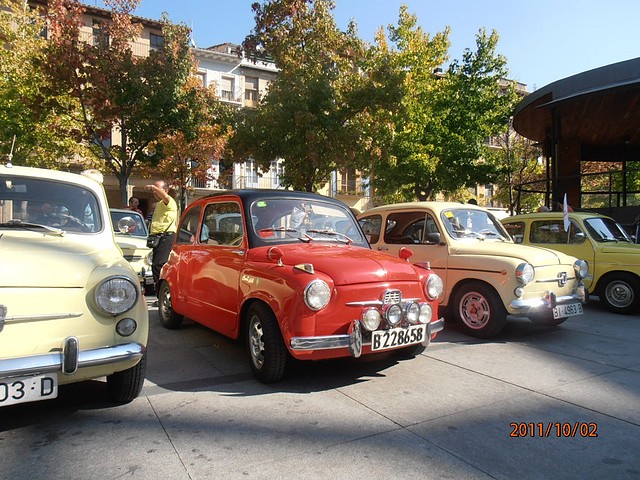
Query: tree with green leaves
188	153
36	127
302	117
126	101
443	120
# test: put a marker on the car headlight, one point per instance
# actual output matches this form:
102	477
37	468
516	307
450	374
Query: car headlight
525	273
433	286
116	295
317	295
148	260
582	268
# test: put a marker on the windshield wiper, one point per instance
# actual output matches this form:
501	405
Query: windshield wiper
333	233
19	224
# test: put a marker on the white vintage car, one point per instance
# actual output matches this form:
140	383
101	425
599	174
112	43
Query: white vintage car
487	277
131	233
71	308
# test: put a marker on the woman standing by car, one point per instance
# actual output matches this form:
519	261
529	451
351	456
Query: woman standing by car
163	223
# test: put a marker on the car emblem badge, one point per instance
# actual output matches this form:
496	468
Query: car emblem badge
562	279
3	315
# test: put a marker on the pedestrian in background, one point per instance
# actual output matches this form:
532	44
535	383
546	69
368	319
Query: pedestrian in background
164	222
133	205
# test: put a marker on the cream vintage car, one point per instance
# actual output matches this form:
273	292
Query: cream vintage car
71	308
614	260
487	277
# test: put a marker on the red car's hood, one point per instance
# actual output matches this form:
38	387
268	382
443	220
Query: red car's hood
346	264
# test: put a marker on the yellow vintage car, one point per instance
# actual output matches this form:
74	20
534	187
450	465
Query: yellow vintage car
71	308
614	260
487	277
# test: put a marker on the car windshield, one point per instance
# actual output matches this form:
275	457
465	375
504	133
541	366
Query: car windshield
606	230
472	223
282	220
39	204
129	223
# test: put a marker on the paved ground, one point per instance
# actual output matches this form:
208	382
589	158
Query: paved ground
449	413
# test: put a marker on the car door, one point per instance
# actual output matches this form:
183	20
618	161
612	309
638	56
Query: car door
217	259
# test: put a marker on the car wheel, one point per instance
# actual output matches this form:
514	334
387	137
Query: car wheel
267	352
124	386
168	317
478	309
621	293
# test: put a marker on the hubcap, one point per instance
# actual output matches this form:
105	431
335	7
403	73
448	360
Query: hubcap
619	294
474	310
164	302
256	343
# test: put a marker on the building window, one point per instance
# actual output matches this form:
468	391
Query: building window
226	89
251	89
156	41
100	37
202	78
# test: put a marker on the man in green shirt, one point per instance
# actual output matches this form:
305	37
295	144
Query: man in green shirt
164	223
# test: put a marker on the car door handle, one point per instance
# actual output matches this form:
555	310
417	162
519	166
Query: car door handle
238	252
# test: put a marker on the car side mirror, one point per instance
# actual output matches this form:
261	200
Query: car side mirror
579	237
432	238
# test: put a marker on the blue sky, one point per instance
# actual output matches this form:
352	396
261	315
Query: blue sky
543	40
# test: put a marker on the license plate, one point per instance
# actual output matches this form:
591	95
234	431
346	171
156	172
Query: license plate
27	389
562	311
398	337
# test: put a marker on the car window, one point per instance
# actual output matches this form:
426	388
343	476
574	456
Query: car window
552	231
371	227
516	230
136	224
405	228
472	223
606	230
222	224
67	206
189	226
289	219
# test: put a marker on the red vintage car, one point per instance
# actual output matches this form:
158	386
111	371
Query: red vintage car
292	275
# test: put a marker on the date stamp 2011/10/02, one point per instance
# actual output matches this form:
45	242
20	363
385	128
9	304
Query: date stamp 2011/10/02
553	429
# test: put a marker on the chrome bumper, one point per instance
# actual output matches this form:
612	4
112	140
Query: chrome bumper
548	301
353	340
70	359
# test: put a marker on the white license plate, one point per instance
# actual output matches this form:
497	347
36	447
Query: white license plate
562	311
27	389
398	337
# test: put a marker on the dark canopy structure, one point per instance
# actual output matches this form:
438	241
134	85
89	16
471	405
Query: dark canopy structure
591	116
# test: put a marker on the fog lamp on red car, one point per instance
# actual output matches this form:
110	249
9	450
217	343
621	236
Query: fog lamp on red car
126	327
426	313
392	314
371	319
411	312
